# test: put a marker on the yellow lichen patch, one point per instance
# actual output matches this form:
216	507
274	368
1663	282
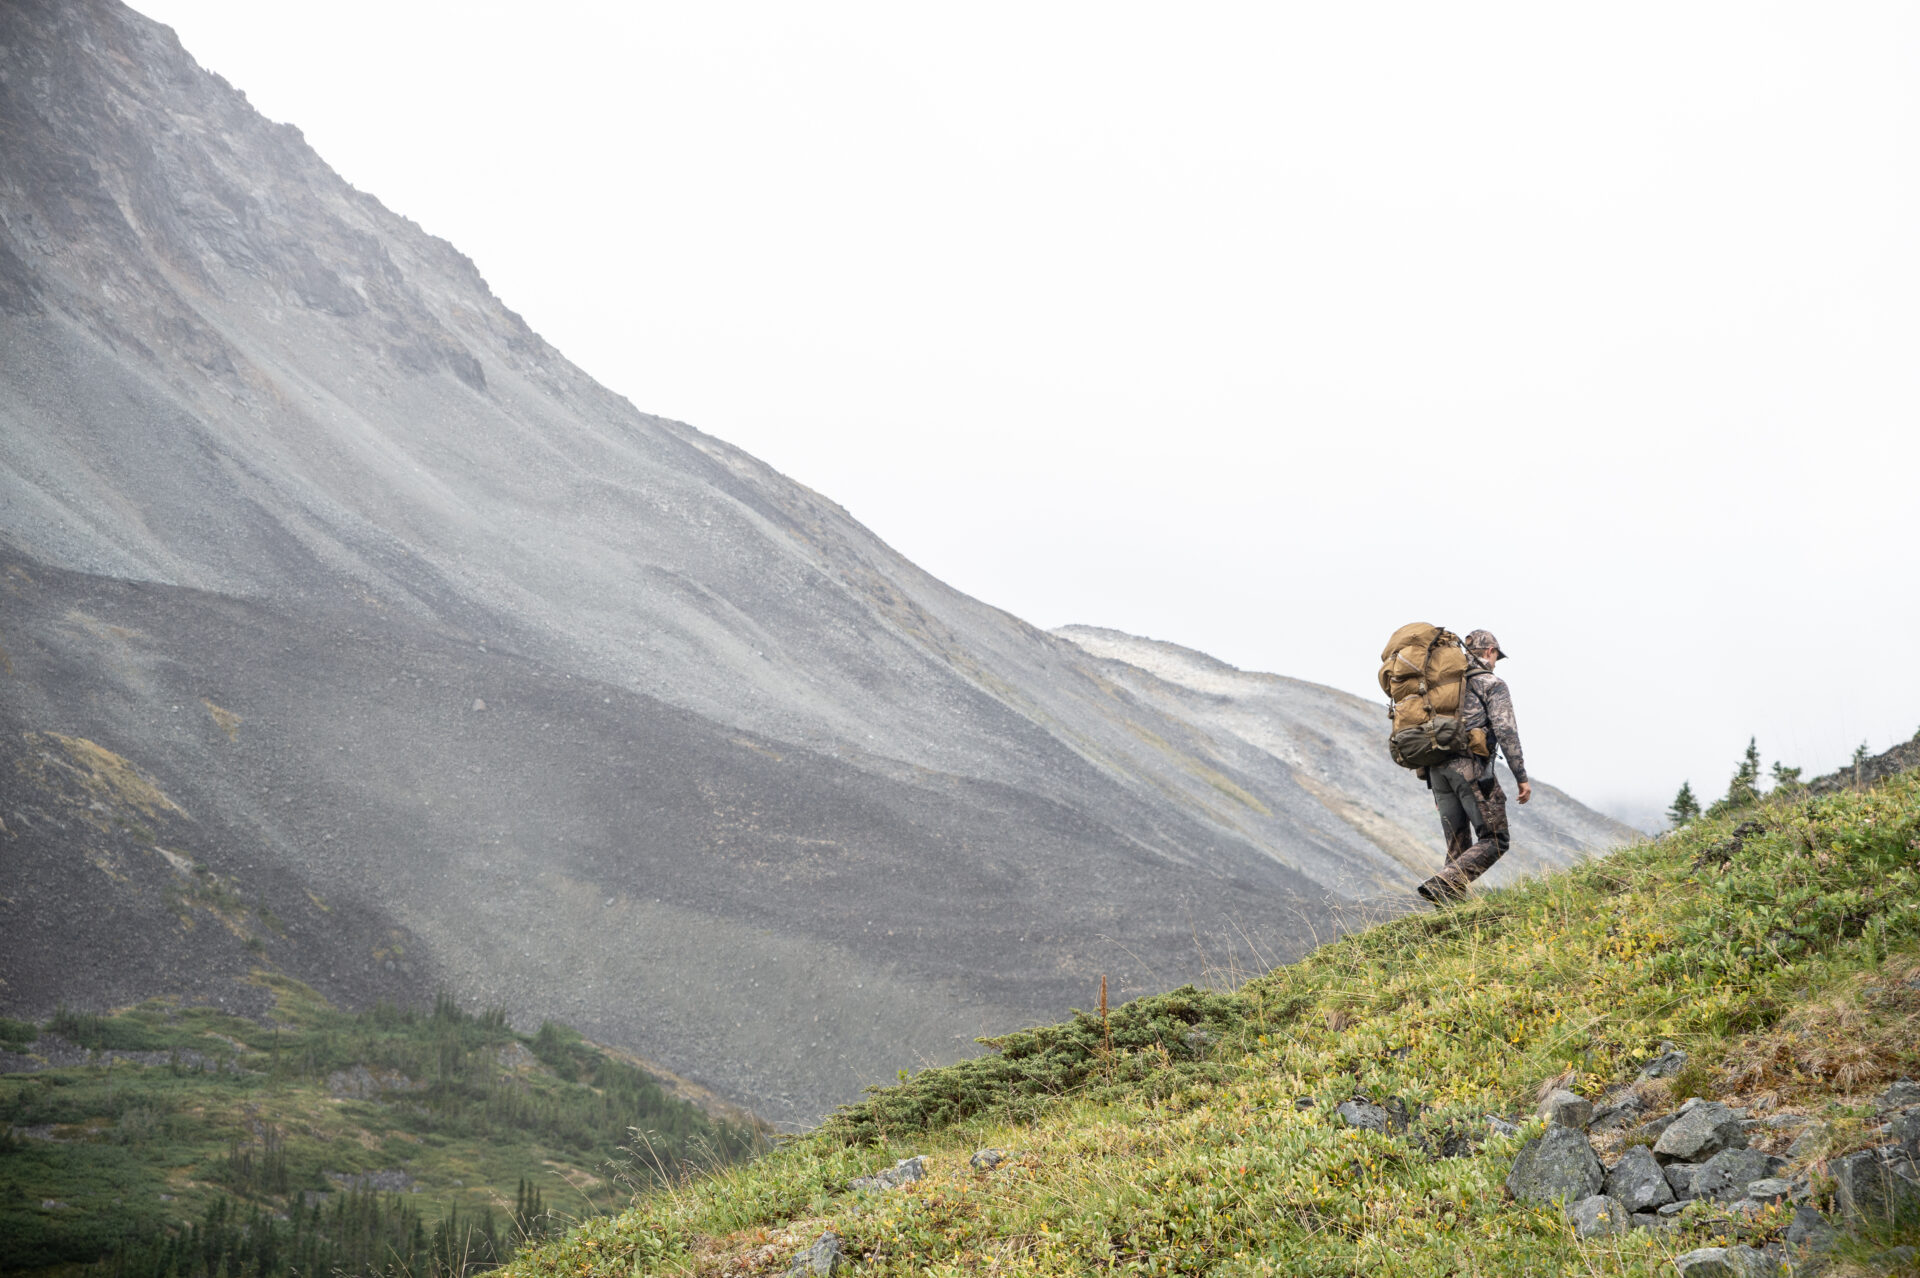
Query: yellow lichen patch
98	784
319	903
6	662
226	720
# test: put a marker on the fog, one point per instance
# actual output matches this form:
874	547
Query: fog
1261	330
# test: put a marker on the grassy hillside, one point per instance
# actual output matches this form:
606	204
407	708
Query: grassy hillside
1195	1132
319	1141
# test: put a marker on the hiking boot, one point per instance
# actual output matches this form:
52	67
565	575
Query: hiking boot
1441	891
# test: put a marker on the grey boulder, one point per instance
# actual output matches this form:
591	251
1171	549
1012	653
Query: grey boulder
1700	1132
904	1172
1769	1189
1906	1134
1680	1178
1557	1165
824	1257
1618	1113
1870	1192
1726	1262
988	1159
1364	1115
1563	1108
1638	1181
1598	1216
1725	1176
1810	1229
1665	1065
1902	1094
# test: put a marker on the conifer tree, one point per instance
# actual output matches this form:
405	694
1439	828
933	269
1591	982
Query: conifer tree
1685	807
1745	786
1785	779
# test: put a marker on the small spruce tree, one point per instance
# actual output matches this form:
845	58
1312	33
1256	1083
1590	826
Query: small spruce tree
1744	789
1745	786
1685	807
1785	779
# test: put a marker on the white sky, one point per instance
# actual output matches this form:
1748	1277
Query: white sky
1261	328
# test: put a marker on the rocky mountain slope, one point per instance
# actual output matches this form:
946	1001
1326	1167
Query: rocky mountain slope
1329	742
326	581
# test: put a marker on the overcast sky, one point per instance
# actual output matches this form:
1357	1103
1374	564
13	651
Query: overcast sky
1261	329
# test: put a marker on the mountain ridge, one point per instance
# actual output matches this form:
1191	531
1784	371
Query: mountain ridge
504	649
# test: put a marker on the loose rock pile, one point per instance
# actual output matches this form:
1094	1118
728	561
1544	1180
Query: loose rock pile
1701	1152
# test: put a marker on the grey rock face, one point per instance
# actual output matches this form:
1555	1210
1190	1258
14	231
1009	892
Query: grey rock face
1725	1176
1638	1180
1902	1094
1598	1216
987	1159
1906	1134
1558	1165
1565	1109
1769	1189
1653	1128
1727	1262
904	1172
824	1257
1680	1178
1869	1191
1699	1133
1616	1114
1810	1229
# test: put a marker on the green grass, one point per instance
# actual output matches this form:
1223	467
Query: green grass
1194	1132
220	1143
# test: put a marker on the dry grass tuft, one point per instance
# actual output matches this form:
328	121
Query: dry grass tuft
1860	1037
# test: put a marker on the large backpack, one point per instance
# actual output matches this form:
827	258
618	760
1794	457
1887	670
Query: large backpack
1423	671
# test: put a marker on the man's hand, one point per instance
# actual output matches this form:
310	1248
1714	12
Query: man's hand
1526	791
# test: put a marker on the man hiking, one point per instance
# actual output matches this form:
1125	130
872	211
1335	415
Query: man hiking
1473	808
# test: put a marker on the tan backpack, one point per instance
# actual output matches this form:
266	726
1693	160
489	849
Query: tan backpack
1423	671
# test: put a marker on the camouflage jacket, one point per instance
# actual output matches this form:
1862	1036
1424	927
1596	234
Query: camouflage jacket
1487	704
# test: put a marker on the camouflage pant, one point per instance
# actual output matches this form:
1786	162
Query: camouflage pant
1473	815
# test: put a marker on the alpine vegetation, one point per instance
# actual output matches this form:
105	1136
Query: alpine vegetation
1696	1051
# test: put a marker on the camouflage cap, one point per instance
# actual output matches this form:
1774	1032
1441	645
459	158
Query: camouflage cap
1480	640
